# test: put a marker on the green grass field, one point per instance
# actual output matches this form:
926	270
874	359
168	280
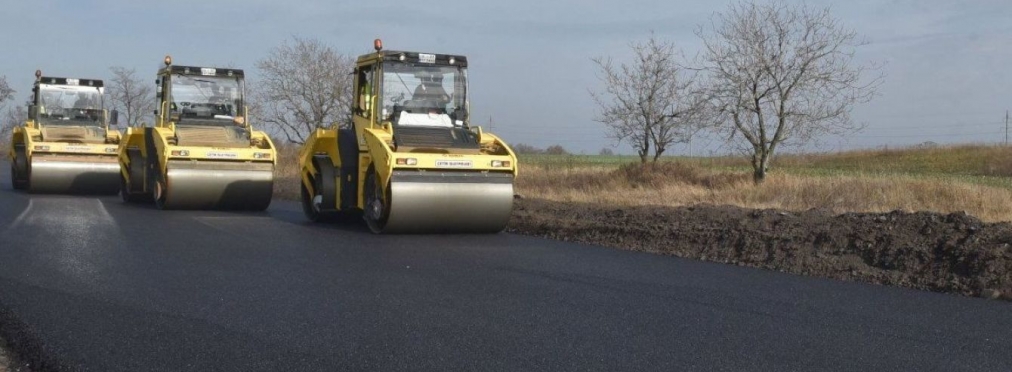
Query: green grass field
975	164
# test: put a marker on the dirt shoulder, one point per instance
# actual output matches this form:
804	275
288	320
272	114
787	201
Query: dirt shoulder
7	362
954	253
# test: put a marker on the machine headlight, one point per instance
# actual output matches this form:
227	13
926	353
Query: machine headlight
110	149
261	155
41	148
180	153
500	164
407	161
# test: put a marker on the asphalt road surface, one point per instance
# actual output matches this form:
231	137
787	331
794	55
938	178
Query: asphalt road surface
92	284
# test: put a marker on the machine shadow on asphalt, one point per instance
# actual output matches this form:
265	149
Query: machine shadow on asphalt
350	224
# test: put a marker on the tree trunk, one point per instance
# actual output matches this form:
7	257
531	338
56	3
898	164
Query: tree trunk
657	154
644	152
760	163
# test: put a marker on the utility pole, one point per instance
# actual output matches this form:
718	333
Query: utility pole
1006	127
490	124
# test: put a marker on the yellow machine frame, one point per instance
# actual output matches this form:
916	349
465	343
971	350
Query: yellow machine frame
63	165
348	170
154	166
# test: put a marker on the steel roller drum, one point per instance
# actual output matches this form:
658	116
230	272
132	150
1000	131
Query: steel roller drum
74	174
218	185
463	202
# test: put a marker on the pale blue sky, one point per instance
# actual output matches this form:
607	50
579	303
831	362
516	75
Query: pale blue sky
947	62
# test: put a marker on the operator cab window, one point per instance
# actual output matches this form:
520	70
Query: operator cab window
423	95
70	105
205	100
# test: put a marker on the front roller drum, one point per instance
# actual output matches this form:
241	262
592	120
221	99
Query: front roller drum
215	185
73	174
443	202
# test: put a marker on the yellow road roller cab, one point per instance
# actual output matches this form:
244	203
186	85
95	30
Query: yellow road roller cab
66	145
410	162
202	152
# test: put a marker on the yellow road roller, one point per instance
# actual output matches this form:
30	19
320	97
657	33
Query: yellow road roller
202	152
410	162
66	146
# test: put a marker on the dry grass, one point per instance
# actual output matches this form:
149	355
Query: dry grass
977	160
679	184
858	181
286	172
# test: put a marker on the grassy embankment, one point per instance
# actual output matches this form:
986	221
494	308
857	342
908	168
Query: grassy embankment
971	178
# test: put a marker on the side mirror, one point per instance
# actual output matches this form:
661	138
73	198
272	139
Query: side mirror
158	94
33	111
158	81
114	118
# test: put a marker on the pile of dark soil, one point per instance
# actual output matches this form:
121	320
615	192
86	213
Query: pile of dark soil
954	253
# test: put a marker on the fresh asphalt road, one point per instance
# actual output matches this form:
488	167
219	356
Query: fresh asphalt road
89	283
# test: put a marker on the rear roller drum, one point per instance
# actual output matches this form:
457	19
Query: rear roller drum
311	210
319	206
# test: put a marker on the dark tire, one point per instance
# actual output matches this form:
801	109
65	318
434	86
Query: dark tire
19	168
377	210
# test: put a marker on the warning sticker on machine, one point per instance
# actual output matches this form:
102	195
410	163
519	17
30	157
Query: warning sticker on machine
222	155
453	163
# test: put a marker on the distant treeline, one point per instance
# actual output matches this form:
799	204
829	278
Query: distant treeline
525	149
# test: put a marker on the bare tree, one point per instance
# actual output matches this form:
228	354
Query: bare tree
523	148
10	118
780	75
650	102
131	96
6	93
556	150
304	85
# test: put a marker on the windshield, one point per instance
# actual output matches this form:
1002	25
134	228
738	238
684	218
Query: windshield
424	95
206	98
70	105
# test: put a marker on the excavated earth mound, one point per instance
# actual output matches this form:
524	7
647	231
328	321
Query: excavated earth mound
954	252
